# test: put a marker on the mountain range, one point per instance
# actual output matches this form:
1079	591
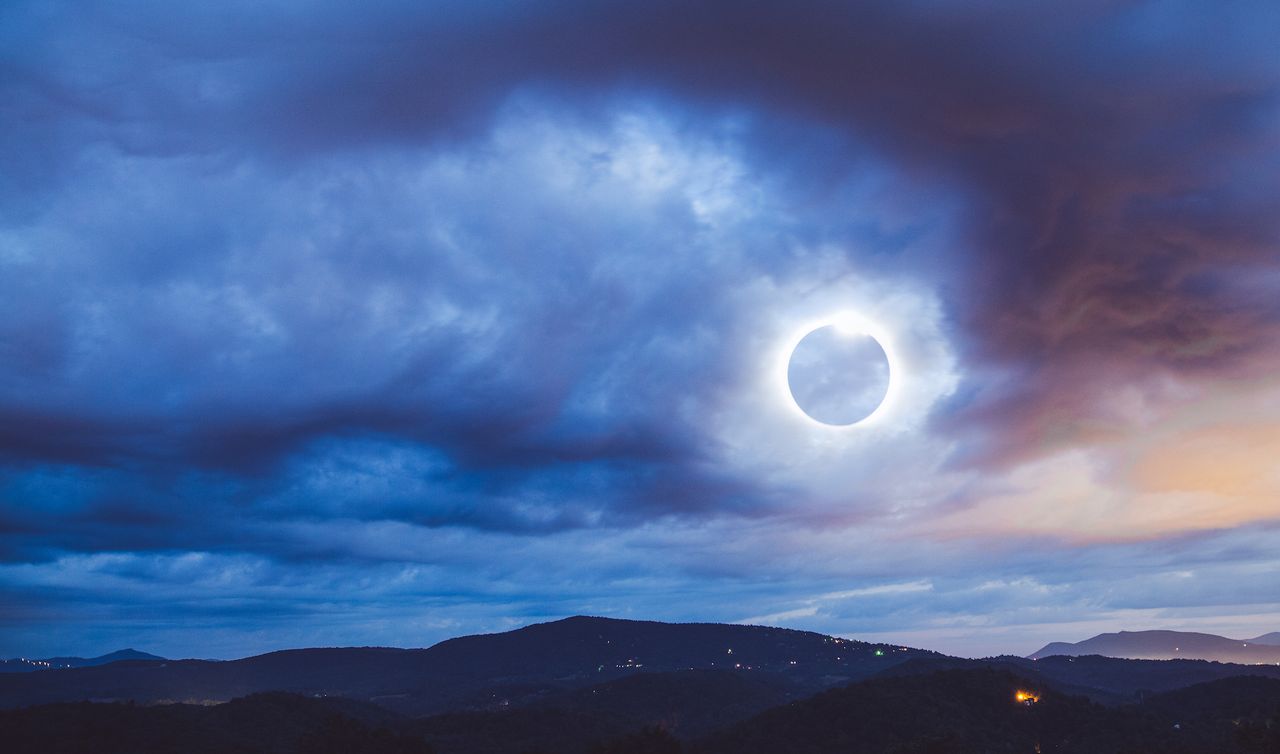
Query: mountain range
588	685
515	667
1171	645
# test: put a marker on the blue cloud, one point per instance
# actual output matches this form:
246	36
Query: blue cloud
470	312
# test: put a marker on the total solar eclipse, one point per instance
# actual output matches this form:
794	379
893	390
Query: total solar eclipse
838	373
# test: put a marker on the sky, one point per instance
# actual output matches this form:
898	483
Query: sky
344	324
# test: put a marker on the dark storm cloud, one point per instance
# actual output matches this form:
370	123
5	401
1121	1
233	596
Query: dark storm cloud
1119	157
222	341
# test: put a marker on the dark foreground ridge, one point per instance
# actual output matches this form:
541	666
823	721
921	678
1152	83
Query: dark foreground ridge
595	685
967	710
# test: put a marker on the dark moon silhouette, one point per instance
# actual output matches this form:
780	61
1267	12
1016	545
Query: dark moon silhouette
838	377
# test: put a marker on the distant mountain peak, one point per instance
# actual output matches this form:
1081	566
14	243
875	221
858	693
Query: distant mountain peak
27	665
128	654
1163	644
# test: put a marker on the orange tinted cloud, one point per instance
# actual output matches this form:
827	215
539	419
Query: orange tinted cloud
1229	461
1212	464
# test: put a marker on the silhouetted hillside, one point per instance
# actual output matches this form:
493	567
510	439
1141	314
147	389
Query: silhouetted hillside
259	724
685	703
951	711
1247	696
947	711
27	665
1133	679
1169	645
542	729
1244	711
1272	638
517	667
545	662
1107	680
688	703
1018	666
978	710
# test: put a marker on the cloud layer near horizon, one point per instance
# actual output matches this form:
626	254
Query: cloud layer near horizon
337	326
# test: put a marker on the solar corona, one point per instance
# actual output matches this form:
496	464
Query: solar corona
840	372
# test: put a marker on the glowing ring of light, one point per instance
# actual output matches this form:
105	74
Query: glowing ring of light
852	323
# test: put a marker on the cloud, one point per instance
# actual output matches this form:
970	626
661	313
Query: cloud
330	299
417	337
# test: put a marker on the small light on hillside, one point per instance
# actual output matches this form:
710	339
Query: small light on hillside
1026	697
